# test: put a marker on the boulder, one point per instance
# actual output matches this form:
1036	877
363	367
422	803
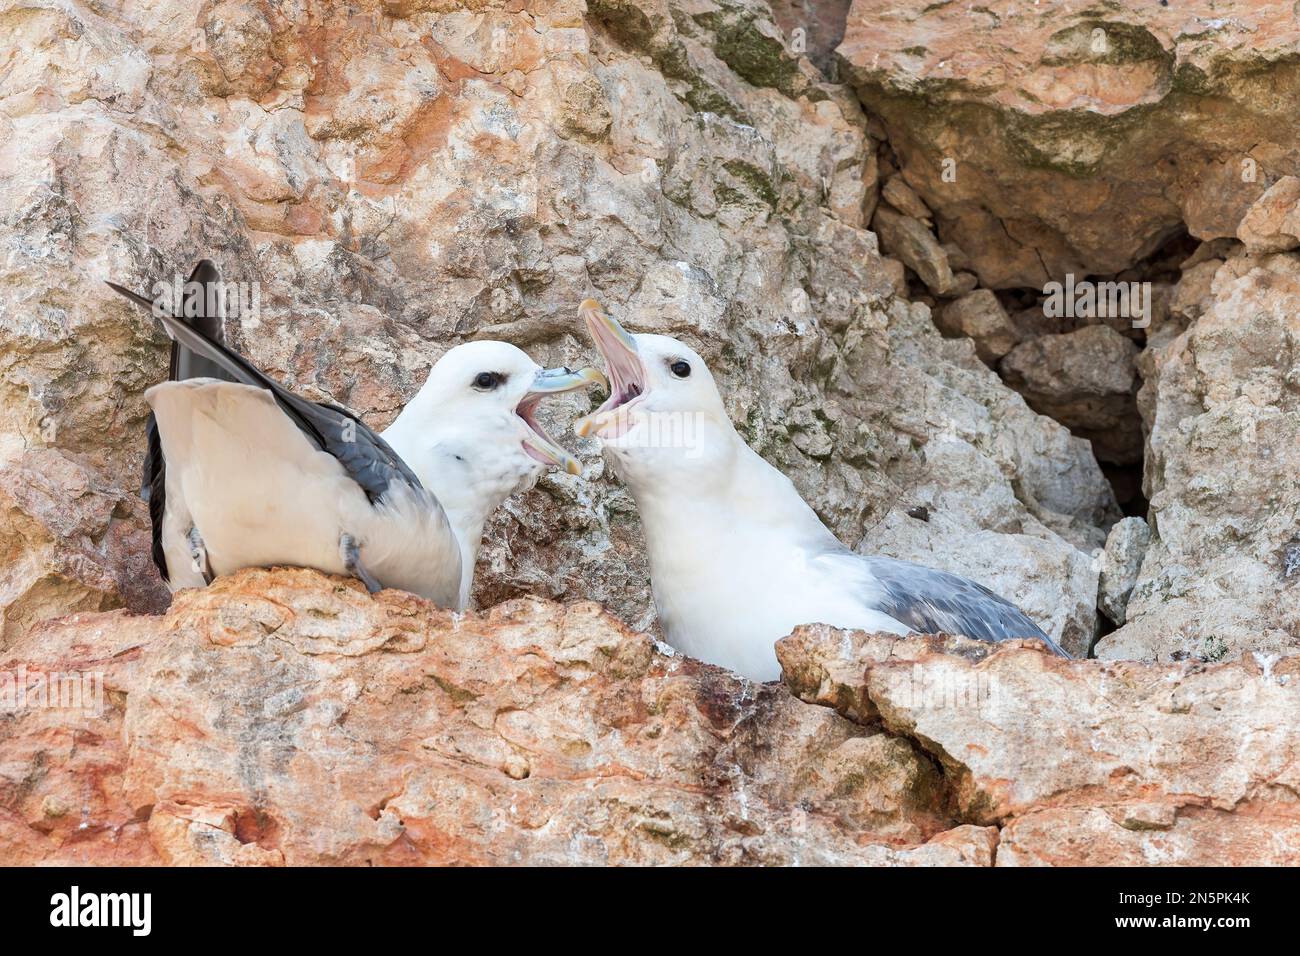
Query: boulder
1059	754
1272	224
1121	560
1087	380
980	317
1067	137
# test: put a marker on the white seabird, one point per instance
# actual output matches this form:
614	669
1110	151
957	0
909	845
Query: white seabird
737	558
240	472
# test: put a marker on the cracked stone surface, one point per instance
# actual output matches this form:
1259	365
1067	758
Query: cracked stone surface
286	717
1069	137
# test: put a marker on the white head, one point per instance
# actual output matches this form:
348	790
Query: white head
471	433
664	423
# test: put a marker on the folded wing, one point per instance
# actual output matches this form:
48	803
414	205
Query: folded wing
930	601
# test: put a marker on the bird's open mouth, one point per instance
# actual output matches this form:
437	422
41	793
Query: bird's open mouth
627	374
552	381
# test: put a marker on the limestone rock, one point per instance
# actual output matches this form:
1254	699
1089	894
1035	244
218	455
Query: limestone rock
1086	380
288	718
1066	137
1192	293
283	717
903	197
816	25
957	258
1272	224
1121	560
980	317
1058	754
912	241
1221	402
1222	248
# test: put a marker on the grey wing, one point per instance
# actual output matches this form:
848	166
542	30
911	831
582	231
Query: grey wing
366	457
930	601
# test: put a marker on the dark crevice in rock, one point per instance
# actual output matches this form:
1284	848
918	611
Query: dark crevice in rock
1073	350
1126	481
1078	356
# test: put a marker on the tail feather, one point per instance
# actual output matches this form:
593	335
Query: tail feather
154	491
232	366
193	310
366	457
200	309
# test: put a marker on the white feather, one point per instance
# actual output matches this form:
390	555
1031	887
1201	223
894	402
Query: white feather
261	494
737	558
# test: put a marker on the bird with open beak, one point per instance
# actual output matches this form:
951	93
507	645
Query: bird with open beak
241	472
737	558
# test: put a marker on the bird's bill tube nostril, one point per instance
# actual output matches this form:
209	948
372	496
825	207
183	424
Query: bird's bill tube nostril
552	381
627	375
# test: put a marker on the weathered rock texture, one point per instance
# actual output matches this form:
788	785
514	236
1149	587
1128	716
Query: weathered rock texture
980	317
1073	137
399	177
1221	407
283	717
288	718
1272	224
1098	763
1121	563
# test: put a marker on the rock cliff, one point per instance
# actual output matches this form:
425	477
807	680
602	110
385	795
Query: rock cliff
400	177
284	717
854	211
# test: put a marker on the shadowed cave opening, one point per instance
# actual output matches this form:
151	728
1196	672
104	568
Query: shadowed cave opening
1074	350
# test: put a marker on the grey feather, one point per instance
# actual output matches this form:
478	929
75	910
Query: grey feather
931	601
193	311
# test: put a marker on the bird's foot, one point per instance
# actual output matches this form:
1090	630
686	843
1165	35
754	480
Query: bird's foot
199	556
350	551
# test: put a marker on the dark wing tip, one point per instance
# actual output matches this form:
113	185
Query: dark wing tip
133	296
205	271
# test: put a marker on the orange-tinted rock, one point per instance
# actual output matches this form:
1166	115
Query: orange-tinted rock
1160	835
284	717
1081	762
1064	137
1272	224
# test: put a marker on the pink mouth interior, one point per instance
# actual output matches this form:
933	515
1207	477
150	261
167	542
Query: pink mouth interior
627	380
527	410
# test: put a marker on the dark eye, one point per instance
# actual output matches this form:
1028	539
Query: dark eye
486	381
680	369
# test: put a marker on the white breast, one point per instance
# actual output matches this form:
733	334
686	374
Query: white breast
726	590
261	494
